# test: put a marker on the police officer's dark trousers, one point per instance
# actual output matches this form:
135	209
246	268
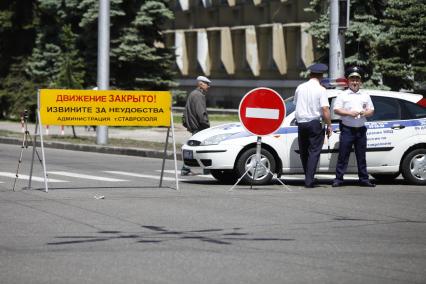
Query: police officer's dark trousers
357	137
311	138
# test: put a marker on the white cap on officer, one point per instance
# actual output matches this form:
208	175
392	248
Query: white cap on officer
203	79
354	72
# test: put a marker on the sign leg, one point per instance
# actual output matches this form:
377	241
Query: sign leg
267	170
238	181
42	151
258	158
174	149
164	157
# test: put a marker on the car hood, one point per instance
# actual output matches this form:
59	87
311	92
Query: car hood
235	127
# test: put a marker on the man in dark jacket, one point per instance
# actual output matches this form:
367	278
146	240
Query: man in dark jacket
195	113
195	117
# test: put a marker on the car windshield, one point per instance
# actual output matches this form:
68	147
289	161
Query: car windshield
289	106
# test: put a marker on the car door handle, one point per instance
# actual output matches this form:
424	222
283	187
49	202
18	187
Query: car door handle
398	126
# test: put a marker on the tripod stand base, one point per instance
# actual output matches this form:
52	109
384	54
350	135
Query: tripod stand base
258	162
255	167
26	139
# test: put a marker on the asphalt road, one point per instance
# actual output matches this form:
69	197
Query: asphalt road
139	233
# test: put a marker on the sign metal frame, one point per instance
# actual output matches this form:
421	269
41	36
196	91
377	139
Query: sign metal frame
38	132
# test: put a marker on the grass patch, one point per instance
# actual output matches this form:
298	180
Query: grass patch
212	117
177	119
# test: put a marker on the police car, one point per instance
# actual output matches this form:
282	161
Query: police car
396	144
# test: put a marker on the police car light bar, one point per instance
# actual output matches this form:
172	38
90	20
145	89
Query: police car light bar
334	83
422	102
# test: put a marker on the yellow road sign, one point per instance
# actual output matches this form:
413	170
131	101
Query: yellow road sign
109	108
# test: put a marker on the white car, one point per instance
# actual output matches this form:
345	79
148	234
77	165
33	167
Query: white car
396	143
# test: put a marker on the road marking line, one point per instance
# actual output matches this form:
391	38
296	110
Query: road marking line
324	176
34	178
85	176
347	177
173	172
138	175
265	113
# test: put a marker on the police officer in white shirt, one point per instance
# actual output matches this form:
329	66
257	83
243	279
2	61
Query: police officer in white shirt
353	105
311	105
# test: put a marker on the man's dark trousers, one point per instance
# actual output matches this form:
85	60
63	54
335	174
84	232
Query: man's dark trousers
356	136
311	139
186	170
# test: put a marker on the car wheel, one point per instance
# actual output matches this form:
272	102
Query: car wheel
385	177
414	167
225	176
255	176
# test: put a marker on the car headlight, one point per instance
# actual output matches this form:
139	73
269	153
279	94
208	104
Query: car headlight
214	140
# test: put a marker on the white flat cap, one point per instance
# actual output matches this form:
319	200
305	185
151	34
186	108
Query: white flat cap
203	79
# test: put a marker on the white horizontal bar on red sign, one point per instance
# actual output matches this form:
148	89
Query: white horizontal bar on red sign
265	113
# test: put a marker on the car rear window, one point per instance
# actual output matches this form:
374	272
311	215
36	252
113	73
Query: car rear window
289	106
412	110
385	109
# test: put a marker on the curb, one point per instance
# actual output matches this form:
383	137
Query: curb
99	149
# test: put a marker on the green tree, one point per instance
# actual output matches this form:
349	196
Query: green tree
402	51
17	34
71	73
32	38
18	92
142	60
138	58
45	62
361	37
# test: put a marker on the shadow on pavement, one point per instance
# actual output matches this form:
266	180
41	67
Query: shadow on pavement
159	234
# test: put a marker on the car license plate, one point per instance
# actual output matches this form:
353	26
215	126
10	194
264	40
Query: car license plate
187	154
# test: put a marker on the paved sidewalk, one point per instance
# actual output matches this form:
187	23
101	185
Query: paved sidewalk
155	134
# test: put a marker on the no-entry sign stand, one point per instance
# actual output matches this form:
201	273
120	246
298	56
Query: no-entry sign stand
261	112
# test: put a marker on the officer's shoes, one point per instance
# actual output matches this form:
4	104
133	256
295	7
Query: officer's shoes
366	184
337	183
187	173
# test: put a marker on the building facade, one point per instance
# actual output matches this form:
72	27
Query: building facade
240	45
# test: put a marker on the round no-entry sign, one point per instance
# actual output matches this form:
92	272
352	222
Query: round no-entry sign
262	111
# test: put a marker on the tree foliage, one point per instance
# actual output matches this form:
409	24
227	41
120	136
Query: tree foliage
385	38
402	51
51	43
361	37
17	36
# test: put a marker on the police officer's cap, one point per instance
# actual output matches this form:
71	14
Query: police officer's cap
354	71
318	68
204	79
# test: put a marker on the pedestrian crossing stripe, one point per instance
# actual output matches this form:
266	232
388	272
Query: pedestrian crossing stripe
83	176
138	175
25	177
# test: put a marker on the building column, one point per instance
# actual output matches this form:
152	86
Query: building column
184	4
278	48
181	52
203	55
252	55
306	45
226	50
